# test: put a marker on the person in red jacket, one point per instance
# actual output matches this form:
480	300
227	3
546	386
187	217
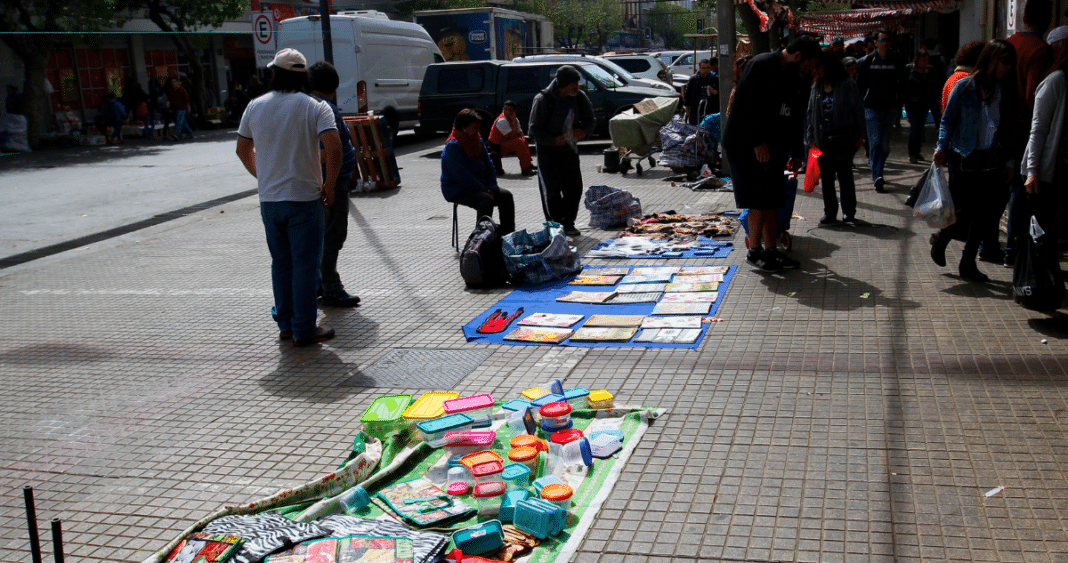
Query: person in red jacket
179	98
506	137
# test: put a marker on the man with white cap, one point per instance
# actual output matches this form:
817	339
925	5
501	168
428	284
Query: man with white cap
278	142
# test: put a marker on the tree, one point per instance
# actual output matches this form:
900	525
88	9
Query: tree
180	19
672	22
583	22
31	28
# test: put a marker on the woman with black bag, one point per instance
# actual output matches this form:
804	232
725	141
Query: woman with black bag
835	124
972	139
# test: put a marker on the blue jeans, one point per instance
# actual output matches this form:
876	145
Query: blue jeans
917	120
181	125
295	237
878	124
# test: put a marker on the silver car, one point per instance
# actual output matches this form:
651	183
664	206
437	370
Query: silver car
612	68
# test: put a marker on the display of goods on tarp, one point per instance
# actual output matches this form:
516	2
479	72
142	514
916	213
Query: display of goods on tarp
536	469
673	227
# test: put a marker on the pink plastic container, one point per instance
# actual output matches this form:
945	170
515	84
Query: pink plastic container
478	407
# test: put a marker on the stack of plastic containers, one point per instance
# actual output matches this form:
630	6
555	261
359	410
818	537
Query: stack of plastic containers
459	444
480	538
433	431
555	416
539	518
478	407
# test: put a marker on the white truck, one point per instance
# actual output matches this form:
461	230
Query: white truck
381	62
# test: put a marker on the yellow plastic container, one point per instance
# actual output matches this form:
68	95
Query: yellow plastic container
428	407
600	399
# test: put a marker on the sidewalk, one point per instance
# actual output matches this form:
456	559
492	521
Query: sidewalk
856	409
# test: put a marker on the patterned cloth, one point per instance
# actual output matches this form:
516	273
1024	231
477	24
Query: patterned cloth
611	207
263	534
428	545
539	257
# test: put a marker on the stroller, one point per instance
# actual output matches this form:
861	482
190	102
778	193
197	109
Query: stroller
782	215
635	132
685	147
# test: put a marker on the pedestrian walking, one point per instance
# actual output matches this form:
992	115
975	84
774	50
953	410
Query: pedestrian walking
166	112
135	99
506	138
561	117
323	81
278	143
881	77
965	60
974	139
467	173
179	98
762	136
113	116
1034	57
834	124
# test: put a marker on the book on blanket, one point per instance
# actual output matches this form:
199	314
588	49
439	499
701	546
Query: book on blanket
586	297
594	280
351	549
685	308
702	270
682	287
615	320
604	334
205	548
669	335
630	298
541	334
611	271
551	319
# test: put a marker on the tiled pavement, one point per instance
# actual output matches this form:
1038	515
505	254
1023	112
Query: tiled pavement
855	410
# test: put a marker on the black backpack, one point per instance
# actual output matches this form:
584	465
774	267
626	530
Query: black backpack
482	261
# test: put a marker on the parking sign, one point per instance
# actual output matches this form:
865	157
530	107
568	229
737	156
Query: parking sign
263	27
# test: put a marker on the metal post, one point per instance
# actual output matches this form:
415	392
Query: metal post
31	521
725	18
328	41
57	540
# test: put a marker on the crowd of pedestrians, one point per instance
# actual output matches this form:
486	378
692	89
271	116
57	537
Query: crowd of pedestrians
1000	111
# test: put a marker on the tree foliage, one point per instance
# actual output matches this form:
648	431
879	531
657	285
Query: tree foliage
31	28
671	23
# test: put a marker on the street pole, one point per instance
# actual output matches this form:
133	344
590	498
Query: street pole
725	19
328	41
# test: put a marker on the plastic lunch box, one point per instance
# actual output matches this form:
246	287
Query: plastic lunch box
469	442
539	518
428	407
478	407
577	397
384	417
434	431
512	498
480	538
600	399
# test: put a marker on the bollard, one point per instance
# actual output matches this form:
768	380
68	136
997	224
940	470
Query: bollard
57	540
611	161
31	521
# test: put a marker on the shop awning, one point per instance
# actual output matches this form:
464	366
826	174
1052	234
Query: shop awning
869	16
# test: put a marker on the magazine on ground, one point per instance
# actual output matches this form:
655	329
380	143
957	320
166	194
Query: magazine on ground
551	319
604	334
693	308
669	335
595	297
671	322
615	320
541	334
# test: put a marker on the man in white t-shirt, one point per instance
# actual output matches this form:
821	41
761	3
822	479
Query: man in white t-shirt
278	142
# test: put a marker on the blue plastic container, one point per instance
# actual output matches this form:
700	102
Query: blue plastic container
576	397
515	405
539	518
550	398
480	538
516	476
511	499
434	430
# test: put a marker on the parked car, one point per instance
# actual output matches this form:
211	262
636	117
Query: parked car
485	85
687	62
643	65
669	57
621	74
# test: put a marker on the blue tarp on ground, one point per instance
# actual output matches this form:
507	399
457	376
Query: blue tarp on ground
542	299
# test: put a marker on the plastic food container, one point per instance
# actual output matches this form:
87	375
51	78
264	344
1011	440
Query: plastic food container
354	499
457	488
434	431
542	482
525	455
577	452
516	476
599	399
478	407
511	499
488	472
515	405
553	386
385	416
480	538
539	518
577	397
528	440
563	437
555	415
558	494
478	458
428	407
488	496
463	443
550	429
550	398
604	445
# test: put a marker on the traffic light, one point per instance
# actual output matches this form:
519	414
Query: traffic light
648	33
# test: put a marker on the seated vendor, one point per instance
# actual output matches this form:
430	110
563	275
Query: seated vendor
506	138
467	174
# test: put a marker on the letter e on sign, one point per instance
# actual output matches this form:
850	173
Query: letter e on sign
263	29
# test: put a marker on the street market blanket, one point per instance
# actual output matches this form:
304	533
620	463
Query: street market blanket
542	299
641	247
320	506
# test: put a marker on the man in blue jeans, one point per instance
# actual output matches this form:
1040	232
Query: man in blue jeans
278	142
881	76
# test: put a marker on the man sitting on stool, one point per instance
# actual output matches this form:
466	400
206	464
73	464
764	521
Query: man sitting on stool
468	176
506	137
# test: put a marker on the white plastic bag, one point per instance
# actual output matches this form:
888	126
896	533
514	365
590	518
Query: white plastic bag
934	204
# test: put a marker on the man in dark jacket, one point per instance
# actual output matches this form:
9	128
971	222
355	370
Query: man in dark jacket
702	87
881	77
560	117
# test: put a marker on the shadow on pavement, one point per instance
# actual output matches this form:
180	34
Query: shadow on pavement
311	374
826	290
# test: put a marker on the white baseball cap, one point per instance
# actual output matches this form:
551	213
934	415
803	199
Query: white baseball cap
289	59
1057	34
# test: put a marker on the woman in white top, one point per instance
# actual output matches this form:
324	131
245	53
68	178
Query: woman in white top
1045	160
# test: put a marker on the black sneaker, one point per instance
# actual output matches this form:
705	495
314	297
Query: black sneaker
340	298
321	334
571	231
785	262
828	219
761	261
879	183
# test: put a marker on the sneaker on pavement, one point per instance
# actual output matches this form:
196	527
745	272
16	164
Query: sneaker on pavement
879	183
761	261
572	231
529	171
340	298
321	334
784	261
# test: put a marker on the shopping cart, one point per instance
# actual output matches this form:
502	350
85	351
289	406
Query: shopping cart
635	132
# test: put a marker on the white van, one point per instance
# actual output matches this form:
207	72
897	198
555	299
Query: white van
381	62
